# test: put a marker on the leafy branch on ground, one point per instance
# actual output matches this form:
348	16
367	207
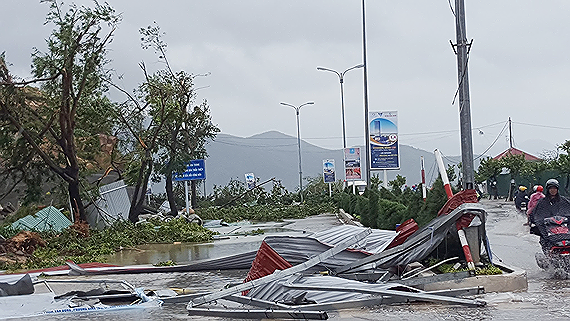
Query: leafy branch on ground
72	245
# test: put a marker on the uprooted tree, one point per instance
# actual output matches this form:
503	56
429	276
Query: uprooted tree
55	126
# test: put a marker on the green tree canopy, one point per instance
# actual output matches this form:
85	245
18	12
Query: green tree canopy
56	126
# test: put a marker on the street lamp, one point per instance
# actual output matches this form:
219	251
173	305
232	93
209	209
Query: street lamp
297	108
341	79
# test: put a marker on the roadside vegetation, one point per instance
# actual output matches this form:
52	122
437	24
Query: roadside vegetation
42	249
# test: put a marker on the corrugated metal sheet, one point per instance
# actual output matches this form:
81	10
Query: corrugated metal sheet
266	262
374	243
113	205
50	218
298	249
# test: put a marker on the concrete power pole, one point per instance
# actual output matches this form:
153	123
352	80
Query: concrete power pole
462	53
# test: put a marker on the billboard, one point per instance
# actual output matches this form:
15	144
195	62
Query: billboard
195	170
383	130
352	169
249	180
328	171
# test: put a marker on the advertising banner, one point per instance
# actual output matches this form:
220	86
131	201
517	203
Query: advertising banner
249	180
328	171
384	151
195	170
352	164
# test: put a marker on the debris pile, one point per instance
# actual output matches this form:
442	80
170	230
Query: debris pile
20	247
350	267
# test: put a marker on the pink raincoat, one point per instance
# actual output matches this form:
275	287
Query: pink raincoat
534	198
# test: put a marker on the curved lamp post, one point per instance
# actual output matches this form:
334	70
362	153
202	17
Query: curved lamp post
297	108
341	79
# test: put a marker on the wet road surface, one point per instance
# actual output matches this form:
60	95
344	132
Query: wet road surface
546	298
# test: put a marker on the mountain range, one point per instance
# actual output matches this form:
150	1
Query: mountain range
274	154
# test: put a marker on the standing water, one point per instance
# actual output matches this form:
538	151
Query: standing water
511	243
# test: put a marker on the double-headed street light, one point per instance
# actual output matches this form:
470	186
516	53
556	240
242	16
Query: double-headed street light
341	79
297	108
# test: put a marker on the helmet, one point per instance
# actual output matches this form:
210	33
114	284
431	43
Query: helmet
552	183
522	188
539	188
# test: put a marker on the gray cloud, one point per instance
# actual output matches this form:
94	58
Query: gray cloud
262	52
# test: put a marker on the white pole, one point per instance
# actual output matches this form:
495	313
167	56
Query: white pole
186	197
443	173
386	179
330	190
424	191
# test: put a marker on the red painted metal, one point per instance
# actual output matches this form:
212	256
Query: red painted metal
466	196
405	229
265	263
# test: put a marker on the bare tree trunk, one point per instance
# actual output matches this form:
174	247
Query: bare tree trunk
76	203
170	195
139	194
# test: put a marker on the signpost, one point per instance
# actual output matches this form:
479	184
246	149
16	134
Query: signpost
352	170
195	170
250	181
329	173
383	137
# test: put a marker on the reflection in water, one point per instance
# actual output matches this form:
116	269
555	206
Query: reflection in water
181	253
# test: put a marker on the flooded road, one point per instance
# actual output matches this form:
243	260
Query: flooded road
510	242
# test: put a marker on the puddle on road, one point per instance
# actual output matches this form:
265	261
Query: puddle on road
181	253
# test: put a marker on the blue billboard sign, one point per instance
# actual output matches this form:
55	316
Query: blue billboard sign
384	151
195	170
328	171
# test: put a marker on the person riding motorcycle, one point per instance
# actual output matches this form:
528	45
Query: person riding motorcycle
521	198
552	205
534	198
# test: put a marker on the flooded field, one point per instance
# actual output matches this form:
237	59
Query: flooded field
510	242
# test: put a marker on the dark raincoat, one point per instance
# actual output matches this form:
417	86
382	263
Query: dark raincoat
549	207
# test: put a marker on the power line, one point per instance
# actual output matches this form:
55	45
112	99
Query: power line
493	143
543	126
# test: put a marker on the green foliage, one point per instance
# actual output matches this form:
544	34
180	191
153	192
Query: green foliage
514	163
384	209
70	245
264	213
389	214
489	269
533	171
228	194
396	184
165	263
54	130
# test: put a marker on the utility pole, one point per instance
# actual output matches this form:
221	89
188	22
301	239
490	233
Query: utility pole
510	134
366	123
462	52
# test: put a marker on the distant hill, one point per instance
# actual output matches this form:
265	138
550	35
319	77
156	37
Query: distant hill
274	154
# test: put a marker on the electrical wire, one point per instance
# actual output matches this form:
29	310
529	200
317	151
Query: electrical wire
451	7
543	126
431	173
449	159
493	143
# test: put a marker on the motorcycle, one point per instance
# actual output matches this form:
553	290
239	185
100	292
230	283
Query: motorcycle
523	206
555	241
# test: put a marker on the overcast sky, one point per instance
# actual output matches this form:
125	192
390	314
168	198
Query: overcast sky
260	53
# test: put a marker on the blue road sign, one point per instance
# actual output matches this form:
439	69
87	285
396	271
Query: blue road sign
195	170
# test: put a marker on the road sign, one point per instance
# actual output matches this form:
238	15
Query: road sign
195	170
